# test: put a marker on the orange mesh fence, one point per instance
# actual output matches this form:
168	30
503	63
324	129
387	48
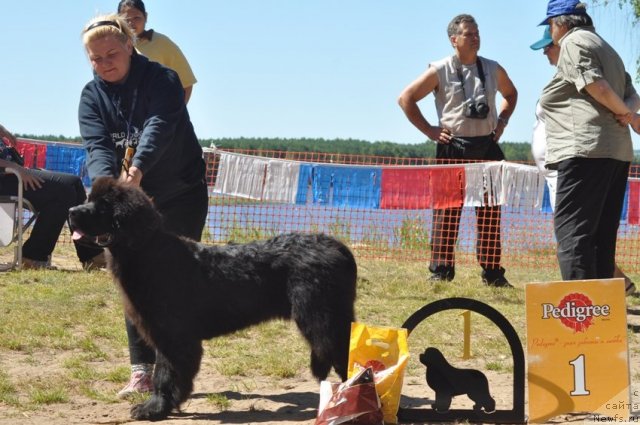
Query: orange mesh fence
398	208
384	207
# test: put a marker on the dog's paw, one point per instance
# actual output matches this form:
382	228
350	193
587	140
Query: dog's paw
152	410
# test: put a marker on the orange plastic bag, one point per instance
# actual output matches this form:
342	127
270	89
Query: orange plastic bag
385	351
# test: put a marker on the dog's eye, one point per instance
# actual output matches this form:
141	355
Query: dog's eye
102	208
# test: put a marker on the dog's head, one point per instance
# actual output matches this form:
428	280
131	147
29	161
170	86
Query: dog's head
431	356
114	214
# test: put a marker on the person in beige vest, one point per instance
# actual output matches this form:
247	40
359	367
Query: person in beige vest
469	128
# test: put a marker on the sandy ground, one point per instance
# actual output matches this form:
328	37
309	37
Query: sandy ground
251	401
259	400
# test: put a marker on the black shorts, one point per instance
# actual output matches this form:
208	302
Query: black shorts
481	147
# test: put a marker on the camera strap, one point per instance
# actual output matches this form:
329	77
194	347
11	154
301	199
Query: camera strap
480	75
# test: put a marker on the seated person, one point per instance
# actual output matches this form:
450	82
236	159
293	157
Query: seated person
51	194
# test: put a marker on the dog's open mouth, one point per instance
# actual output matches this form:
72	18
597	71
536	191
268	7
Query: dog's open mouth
103	240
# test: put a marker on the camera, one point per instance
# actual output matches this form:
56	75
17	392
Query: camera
478	109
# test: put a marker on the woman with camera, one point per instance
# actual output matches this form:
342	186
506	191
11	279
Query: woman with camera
136	105
464	86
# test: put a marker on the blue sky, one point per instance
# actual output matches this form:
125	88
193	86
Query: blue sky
285	68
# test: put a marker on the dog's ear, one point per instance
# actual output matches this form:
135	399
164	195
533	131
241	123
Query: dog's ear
101	186
135	219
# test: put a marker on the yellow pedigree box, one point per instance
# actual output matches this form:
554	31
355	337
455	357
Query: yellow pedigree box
577	352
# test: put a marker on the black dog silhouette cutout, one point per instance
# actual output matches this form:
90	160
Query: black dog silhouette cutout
448	381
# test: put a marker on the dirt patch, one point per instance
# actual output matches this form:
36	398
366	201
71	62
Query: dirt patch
250	401
221	400
258	400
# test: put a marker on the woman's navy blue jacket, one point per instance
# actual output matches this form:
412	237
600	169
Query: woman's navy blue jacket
148	111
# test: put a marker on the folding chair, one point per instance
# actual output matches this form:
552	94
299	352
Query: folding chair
12	222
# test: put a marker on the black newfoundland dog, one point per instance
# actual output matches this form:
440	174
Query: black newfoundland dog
178	292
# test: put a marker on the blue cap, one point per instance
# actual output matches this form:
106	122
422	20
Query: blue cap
563	7
544	41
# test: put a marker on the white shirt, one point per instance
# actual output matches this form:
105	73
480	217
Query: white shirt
539	150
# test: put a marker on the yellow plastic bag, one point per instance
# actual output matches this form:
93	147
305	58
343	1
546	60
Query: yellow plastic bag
385	351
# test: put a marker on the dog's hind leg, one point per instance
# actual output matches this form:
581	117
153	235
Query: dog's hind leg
340	351
331	351
320	367
329	342
318	336
173	378
339	332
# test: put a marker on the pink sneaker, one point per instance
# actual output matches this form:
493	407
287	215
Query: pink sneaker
140	383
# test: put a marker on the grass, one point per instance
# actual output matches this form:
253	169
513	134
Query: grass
47	394
219	401
68	327
8	392
412	234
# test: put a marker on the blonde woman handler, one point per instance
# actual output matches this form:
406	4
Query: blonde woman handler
133	102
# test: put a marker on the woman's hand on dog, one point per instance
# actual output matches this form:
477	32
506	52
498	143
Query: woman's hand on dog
132	177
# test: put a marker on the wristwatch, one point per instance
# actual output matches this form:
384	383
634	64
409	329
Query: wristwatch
504	121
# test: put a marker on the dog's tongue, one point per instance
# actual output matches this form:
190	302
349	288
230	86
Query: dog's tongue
76	235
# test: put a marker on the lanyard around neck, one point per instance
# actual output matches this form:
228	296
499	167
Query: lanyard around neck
128	121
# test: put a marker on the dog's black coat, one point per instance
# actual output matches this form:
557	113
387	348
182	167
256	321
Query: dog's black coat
448	381
178	292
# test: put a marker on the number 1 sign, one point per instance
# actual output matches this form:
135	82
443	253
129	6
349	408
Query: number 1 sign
577	349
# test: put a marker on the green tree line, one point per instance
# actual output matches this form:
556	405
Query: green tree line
514	151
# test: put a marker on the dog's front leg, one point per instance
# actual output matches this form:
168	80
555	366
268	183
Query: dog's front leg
172	380
161	402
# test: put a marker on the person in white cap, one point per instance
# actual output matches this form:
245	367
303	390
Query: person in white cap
539	143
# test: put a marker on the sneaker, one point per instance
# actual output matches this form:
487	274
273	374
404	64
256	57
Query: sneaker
98	262
499	282
139	383
440	277
495	278
442	273
29	264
